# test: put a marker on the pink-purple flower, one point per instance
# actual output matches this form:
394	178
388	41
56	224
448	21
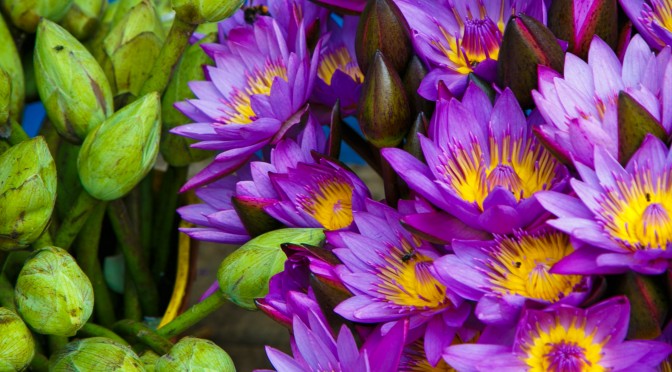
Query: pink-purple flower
653	20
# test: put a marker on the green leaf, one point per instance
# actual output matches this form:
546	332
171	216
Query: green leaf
244	275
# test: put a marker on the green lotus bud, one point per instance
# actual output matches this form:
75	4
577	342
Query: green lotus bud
27	193
122	150
412	143
526	44
149	359
578	21
123	8
71	84
83	17
95	354
634	123
176	149
164	9
252	214
26	14
384	111
131	46
52	294
17	346
11	63
195	354
383	27
95	43
413	76
5	98
648	304
196	12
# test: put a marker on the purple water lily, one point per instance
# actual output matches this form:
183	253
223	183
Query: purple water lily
568	339
653	20
581	109
623	214
455	38
509	272
484	168
346	6
256	92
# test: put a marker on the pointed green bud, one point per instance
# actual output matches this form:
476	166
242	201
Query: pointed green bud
252	214
17	346
328	295
26	14
413	76
52	294
94	354
176	150
71	84
196	12
83	17
383	27
526	44
244	274
648	304
149	359
335	131
131	47
27	193
412	144
577	21
634	123
122	150
195	354
10	61
384	111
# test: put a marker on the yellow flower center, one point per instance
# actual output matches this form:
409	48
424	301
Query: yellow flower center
563	348
660	13
639	213
520	266
330	203
522	167
407	282
338	59
239	110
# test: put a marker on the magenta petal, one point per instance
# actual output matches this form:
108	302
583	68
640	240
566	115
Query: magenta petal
494	309
630	352
282	361
443	227
466	357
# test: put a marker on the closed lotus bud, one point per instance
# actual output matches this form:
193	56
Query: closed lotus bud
251	212
383	27
71	84
196	12
27	193
17	346
526	44
10	61
384	112
413	76
95	354
95	43
412	144
149	359
83	17
648	304
26	14
195	354
122	150
176	149
577	21
132	45
634	123
52	294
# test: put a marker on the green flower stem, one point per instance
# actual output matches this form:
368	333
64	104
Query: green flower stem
134	258
3	258
40	363
86	250
43	241
176	42
146	212
193	315
362	148
138	332
56	343
164	227
75	219
6	293
17	135
132	309
95	330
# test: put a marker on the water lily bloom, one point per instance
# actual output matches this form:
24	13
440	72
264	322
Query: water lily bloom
653	20
348	6
455	38
389	272
580	110
484	167
506	273
623	214
566	338
256	92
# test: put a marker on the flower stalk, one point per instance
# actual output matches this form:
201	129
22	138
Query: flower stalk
193	315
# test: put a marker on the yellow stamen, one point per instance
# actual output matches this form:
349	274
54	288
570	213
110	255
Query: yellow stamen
660	13
330	203
338	59
259	82
416	360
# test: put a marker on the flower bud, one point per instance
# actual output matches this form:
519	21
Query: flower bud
10	61
27	193
52	294
17	346
131	46
251	212
412	144
526	44
383	27
71	84
634	123
116	155
384	112
648	304
196	12
83	17
176	149
195	354
578	21
149	359
95	354
413	76
26	14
